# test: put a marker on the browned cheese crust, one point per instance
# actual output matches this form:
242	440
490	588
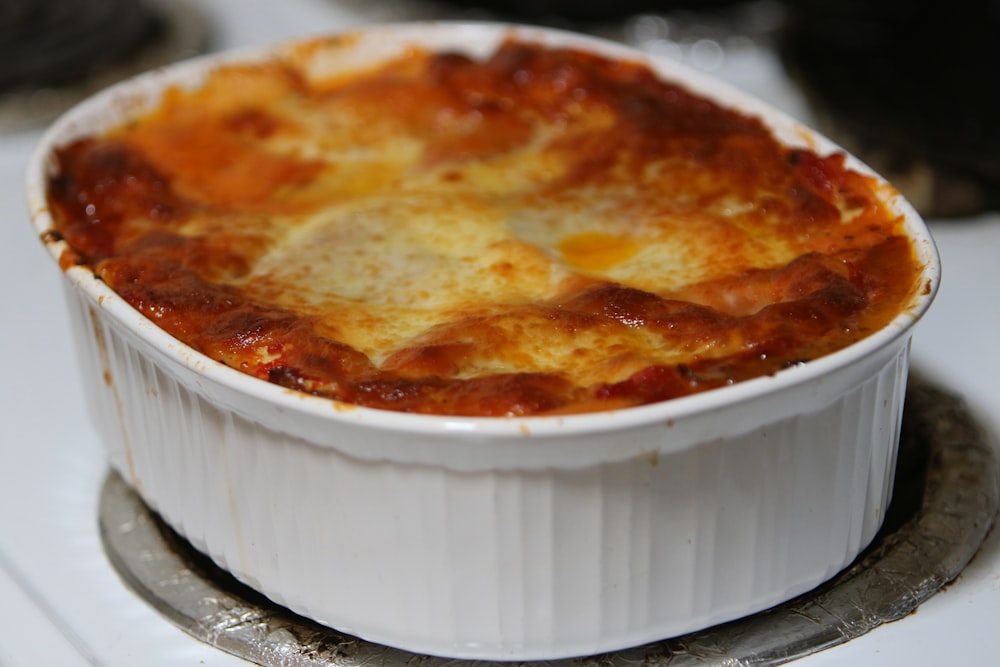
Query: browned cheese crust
543	231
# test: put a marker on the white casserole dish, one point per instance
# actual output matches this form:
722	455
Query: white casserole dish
493	538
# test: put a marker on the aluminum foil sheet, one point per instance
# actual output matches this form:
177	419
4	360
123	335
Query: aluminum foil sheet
944	503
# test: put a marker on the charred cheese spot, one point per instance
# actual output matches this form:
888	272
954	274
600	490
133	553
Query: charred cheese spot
543	231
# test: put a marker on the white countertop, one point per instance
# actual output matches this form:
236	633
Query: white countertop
62	604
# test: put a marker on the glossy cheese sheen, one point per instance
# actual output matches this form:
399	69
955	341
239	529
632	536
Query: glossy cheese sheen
543	231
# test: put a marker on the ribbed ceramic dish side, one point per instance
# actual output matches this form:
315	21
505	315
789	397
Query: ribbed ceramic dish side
487	564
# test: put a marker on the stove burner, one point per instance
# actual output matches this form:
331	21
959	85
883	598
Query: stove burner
60	40
946	496
55	53
907	86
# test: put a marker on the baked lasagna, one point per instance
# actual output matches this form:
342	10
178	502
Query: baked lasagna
540	231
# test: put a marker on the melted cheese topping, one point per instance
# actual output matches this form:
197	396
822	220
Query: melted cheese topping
543	231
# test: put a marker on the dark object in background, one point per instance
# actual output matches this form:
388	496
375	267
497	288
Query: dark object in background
910	86
53	42
584	10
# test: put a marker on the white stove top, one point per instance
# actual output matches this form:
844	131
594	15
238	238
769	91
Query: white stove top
62	604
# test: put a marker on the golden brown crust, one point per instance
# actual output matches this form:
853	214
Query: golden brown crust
544	231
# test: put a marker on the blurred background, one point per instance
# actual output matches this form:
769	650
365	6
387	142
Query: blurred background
910	86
